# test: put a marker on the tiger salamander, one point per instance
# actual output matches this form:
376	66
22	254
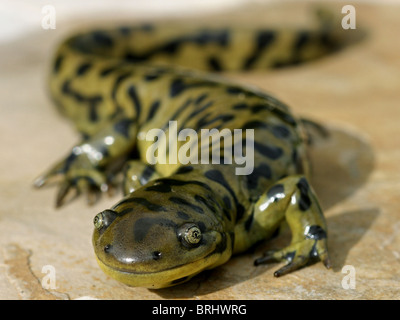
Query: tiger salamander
177	219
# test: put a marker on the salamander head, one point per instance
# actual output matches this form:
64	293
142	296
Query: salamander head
144	247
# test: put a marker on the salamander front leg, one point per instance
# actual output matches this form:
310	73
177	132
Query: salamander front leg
77	172
294	197
90	166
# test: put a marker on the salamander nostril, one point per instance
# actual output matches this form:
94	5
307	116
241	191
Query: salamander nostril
107	248
157	255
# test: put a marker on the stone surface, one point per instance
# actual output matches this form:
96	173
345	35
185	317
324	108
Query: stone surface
354	92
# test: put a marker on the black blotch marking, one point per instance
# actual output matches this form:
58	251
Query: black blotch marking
83	68
255	124
217	176
142	201
274	191
57	63
143	225
118	82
277	111
135	99
202	37
154	74
178	86
227	202
110	69
125	211
205	202
163	188
93	116
185	169
304	201
194	114
322	38
199	110
184	202
102	39
153	109
214	64
234	90
123	127
303	38
133	57
92	101
181	109
316	232
146	174
125	31
200	98
174	182
151	77
295	156
147	27
227	214
261	107
262	171
171	47
285	116
203	122
281	132
263	40
270	152
183	215
240	106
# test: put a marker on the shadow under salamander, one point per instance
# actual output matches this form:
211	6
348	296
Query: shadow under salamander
341	163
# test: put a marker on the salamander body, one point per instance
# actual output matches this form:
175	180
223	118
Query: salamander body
177	219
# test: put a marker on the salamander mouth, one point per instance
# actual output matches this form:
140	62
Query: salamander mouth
158	279
129	271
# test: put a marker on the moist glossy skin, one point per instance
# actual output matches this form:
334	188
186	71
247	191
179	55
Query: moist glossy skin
177	220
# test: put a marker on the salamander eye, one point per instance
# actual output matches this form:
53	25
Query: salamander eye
190	235
98	221
104	219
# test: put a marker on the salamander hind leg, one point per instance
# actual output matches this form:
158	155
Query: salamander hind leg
293	200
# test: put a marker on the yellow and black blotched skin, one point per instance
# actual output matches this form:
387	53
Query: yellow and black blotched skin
176	220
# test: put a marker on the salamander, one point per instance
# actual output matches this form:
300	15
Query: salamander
177	219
